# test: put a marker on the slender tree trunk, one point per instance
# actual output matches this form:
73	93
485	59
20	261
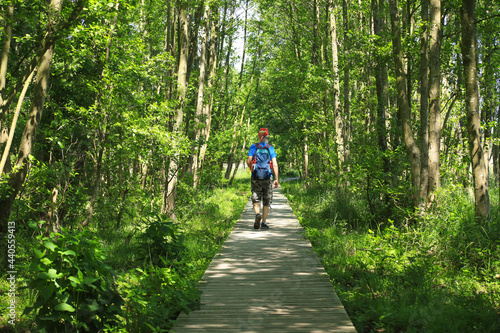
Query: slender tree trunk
470	60
424	104
6	152
237	125
315	42
4	136
6	48
339	123
182	82
381	76
347	65
17	178
403	102
306	154
244	44
201	90
243	149
296	39
434	95
212	68
488	104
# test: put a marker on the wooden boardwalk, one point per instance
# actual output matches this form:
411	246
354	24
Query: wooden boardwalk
266	281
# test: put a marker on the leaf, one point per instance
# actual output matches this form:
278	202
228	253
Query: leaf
46	261
74	281
68	253
39	254
64	307
88	280
35	266
47	291
49	275
50	245
94	306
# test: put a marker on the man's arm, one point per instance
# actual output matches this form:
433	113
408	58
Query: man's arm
276	172
249	161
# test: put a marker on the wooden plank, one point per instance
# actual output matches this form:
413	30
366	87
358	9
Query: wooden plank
266	281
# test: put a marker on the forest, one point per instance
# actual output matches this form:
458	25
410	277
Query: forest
125	126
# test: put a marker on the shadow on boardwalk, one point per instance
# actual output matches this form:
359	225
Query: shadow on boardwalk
266	281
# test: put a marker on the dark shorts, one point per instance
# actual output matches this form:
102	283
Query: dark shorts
262	190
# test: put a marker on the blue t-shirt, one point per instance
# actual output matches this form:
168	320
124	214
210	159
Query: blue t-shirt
272	152
253	148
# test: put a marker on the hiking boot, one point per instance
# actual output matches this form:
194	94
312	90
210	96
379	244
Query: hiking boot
264	226
256	225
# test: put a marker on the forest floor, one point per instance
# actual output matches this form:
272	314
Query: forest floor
440	274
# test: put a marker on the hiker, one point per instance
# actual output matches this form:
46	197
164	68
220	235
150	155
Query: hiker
262	162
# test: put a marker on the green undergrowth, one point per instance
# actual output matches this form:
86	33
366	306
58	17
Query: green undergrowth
439	272
135	278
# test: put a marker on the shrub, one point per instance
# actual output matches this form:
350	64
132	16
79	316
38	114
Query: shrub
76	290
161	243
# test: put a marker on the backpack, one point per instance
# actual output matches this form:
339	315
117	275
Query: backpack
262	166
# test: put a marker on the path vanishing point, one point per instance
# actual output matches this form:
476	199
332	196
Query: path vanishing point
266	281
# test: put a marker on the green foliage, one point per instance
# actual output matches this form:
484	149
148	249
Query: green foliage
76	288
438	273
161	243
156	295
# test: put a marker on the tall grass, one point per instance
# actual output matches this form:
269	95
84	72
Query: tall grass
155	287
438	272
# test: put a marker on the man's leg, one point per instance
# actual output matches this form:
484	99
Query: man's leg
267	198
265	211
256	207
256	199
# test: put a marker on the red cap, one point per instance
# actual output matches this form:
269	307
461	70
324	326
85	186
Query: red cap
263	132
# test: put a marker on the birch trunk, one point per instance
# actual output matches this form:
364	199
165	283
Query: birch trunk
403	102
470	60
434	95
169	203
381	77
211	81
339	124
201	91
424	104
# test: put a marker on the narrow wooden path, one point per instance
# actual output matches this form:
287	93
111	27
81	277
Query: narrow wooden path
266	281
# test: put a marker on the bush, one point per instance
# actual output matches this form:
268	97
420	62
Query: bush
155	296
161	243
76	290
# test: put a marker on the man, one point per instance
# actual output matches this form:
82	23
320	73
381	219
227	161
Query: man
262	162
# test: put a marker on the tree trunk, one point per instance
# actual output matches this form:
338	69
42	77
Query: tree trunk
470	60
244	44
339	123
434	95
347	65
6	48
381	76
4	136
6	152
169	203
403	102
201	90
17	178
424	104
237	126
213	66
